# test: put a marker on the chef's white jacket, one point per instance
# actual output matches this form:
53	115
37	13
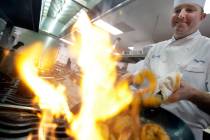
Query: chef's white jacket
191	57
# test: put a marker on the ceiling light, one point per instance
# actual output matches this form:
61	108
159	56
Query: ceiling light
207	7
66	41
107	27
131	48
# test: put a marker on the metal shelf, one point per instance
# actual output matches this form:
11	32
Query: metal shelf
131	58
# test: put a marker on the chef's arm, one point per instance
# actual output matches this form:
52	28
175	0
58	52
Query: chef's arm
187	92
201	99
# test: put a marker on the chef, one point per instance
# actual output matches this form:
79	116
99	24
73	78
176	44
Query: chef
188	53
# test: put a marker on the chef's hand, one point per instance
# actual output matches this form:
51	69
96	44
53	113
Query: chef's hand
185	92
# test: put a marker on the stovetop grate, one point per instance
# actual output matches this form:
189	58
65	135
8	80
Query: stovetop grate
18	113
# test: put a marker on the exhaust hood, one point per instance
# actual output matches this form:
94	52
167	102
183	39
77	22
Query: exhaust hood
54	17
57	16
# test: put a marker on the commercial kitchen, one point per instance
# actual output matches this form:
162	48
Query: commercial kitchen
73	69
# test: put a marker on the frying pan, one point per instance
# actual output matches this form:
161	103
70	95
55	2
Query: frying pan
174	126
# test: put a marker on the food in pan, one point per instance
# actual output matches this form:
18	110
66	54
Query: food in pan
127	125
152	131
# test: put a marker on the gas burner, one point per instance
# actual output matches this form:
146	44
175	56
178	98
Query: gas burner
19	122
19	115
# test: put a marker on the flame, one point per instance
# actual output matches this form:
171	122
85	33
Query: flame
102	97
51	99
5	55
30	137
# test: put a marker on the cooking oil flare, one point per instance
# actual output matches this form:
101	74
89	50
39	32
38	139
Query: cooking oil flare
51	99
102	96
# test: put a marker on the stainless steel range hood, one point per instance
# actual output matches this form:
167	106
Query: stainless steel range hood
57	16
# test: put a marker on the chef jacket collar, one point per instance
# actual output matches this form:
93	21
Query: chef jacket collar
191	36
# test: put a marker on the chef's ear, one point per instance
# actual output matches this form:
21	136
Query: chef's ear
203	16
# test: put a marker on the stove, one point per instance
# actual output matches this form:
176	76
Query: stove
18	115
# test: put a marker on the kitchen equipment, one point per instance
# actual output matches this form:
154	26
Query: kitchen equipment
174	126
18	115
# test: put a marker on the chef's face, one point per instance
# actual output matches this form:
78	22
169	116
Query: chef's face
186	19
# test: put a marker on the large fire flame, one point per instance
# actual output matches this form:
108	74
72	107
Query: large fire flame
51	99
102	96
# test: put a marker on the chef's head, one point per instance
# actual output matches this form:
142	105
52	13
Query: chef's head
187	17
200	3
